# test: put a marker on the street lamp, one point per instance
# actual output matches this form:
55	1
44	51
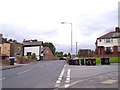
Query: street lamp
71	32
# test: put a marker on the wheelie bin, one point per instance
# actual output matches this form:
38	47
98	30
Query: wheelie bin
93	61
88	61
82	61
105	61
12	60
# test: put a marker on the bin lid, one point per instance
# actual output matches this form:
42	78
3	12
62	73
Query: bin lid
11	57
75	58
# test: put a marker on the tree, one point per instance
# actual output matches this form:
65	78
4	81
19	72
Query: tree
59	54
65	55
51	46
14	40
11	40
69	55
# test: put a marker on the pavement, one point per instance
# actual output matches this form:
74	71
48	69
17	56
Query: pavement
4	67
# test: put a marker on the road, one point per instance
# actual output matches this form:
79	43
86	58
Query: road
42	74
99	76
58	74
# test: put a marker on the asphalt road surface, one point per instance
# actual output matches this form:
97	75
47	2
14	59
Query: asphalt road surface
99	76
58	74
42	74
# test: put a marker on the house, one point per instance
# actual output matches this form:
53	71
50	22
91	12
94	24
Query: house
108	44
4	48
85	53
48	55
33	46
16	49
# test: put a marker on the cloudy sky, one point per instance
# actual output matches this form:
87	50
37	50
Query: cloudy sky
41	19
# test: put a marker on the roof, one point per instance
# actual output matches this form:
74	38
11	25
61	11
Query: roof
31	43
113	34
4	40
45	49
110	35
84	49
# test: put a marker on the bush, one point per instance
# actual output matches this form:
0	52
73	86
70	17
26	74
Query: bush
33	56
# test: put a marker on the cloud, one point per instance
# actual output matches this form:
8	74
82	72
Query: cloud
40	19
19	33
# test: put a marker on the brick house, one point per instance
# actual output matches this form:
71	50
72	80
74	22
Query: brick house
4	46
48	55
16	49
108	44
85	53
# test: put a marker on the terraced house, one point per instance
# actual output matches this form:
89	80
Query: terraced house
109	44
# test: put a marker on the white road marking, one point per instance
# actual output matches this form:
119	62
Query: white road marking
62	72
24	71
68	74
76	82
67	85
60	77
3	79
68	79
57	85
58	81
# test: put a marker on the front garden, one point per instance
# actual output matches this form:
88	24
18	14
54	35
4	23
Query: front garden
112	59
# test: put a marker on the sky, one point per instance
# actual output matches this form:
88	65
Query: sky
41	20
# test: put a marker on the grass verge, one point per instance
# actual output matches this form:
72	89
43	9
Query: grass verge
112	60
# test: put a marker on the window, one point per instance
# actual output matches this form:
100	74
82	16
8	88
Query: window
100	40
109	40
118	40
108	50
29	53
19	49
18	54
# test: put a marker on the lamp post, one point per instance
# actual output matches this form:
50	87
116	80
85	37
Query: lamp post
71	33
76	48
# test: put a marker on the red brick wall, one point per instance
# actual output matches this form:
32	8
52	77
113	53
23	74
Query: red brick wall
103	54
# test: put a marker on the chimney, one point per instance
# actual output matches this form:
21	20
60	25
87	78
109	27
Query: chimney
117	29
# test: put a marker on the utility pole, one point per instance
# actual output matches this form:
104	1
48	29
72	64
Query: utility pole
76	48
